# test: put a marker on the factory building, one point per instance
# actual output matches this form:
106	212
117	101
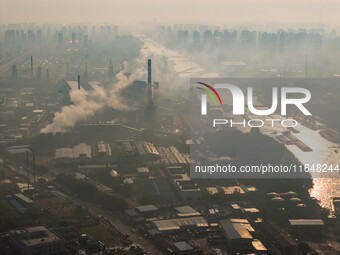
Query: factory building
143	172
67	86
73	86
137	153
170	156
186	211
19	201
63	156
102	153
186	188
82	153
36	240
79	154
172	225
140	213
140	90
237	234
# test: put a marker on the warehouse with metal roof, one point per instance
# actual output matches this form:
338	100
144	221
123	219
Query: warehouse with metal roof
236	233
177	224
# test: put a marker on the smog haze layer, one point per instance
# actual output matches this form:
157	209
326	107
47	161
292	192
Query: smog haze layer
130	12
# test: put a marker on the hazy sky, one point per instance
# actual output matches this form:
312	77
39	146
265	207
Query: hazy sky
220	12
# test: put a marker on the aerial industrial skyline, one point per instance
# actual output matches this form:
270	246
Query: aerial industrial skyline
170	127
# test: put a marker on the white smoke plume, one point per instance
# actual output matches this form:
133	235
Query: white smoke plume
83	107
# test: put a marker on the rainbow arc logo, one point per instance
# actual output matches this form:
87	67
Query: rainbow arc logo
211	92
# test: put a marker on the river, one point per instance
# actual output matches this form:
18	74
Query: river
323	150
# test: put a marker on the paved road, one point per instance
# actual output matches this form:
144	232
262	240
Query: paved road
118	223
115	219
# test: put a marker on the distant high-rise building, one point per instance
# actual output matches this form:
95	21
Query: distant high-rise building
17	37
60	38
14	73
47	75
85	40
10	37
102	29
23	36
196	37
39	73
183	36
31	38
207	35
39	36
80	39
74	39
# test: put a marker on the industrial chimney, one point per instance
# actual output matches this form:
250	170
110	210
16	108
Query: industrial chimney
111	67
32	67
149	72
67	70
47	75
150	97
78	82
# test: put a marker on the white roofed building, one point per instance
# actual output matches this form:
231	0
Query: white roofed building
63	156
82	153
79	154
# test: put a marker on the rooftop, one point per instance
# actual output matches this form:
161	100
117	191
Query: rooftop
176	224
186	211
232	190
63	153
35	235
143	170
73	86
235	230
212	190
82	149
183	246
23	198
306	222
258	246
146	208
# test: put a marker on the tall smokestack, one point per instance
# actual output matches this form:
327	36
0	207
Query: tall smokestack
86	68
34	173
306	66
111	67
78	82
67	70
32	67
149	72
47	74
150	99
28	173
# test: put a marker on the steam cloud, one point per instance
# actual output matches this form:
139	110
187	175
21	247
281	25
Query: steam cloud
83	107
